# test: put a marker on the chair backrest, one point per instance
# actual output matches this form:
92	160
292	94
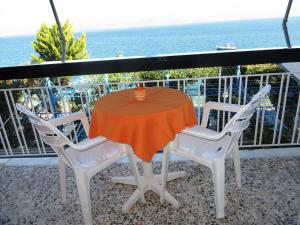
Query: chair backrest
48	133
241	120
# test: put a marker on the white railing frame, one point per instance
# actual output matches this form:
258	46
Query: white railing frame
86	100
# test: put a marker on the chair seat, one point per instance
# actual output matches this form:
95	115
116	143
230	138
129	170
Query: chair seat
200	147
95	155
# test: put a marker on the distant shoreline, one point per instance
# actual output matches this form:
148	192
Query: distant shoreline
159	26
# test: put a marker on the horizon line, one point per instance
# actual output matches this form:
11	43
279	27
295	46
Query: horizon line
151	26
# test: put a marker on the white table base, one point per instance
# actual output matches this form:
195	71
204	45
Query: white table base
150	182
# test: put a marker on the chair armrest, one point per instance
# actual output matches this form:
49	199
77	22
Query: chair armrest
90	143
217	106
71	118
203	135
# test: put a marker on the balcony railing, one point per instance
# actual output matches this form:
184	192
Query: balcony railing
275	122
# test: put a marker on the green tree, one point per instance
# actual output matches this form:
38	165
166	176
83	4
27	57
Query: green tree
48	45
261	68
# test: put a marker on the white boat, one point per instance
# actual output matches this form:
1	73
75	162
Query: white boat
226	47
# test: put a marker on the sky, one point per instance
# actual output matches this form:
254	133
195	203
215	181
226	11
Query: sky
22	17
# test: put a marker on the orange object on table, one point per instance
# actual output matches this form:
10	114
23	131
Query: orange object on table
140	93
145	125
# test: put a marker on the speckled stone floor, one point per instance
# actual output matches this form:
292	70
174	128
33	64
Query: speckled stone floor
270	195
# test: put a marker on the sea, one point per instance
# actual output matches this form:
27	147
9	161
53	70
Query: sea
150	41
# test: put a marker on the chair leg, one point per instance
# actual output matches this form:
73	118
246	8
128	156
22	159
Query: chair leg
164	173
62	178
83	186
135	171
237	166
218	172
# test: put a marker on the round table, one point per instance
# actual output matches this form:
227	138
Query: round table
147	126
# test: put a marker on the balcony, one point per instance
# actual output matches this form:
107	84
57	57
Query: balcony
269	147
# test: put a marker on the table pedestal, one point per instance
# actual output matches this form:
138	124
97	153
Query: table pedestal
150	182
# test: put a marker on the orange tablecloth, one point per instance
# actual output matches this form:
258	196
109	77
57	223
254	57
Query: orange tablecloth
145	125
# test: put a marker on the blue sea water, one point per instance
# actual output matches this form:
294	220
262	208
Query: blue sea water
262	33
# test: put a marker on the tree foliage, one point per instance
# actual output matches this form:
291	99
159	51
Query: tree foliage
48	46
262	68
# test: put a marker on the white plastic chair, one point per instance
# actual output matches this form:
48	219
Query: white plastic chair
87	158
210	148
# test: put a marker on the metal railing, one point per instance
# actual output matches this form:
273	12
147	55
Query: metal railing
274	124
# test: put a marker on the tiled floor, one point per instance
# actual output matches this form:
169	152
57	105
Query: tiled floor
270	195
